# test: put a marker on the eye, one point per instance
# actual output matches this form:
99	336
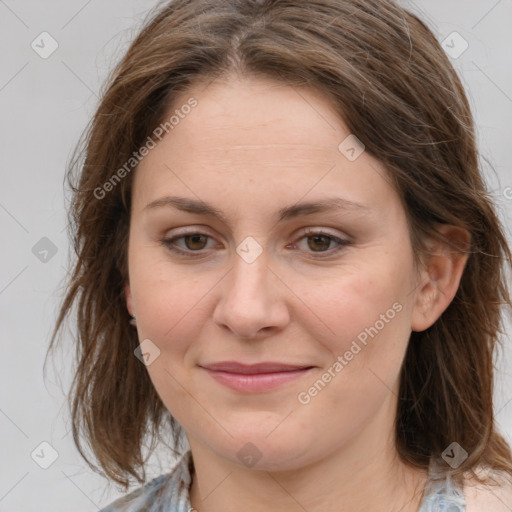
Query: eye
319	241
194	242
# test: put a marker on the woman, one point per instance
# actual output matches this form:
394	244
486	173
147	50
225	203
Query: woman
285	197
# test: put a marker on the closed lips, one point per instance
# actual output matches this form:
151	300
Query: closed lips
252	369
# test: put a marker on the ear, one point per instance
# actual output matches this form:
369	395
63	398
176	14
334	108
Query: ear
128	295
440	276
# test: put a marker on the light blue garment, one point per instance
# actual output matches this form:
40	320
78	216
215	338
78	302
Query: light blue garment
170	493
441	494
166	493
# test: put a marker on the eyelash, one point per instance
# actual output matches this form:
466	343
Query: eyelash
169	244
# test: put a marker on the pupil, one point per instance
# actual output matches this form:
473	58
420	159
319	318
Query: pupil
194	238
316	237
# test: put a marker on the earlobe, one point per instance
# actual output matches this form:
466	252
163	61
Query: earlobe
440	276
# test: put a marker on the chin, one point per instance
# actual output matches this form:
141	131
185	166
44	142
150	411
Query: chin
259	450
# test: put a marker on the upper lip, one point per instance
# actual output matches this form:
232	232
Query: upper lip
267	367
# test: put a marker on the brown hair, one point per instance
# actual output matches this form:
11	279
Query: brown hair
392	84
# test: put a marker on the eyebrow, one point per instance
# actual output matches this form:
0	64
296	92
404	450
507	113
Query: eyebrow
200	207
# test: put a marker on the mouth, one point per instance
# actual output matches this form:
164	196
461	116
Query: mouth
255	378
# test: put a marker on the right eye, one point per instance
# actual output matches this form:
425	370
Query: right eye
194	243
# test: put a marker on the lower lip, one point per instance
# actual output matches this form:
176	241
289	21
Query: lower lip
257	382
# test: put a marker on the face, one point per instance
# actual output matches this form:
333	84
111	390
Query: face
326	295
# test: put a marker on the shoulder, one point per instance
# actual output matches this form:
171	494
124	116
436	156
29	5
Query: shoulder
488	497
166	492
139	499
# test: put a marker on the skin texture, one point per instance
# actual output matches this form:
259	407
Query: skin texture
251	147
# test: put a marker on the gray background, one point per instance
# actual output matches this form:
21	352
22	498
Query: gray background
45	105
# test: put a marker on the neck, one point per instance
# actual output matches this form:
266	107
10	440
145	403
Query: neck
365	475
400	489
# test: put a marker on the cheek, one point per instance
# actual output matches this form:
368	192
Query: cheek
350	307
170	303
367	338
171	313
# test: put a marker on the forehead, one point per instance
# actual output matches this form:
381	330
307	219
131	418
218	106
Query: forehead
256	136
241	114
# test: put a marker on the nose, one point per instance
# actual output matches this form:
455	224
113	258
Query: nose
253	302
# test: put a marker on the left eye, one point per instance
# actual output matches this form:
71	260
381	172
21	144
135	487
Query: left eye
196	242
322	240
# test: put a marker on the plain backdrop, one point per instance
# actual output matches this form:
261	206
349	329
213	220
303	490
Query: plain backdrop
45	104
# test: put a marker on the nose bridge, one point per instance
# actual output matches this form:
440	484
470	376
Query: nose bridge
250	300
250	268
